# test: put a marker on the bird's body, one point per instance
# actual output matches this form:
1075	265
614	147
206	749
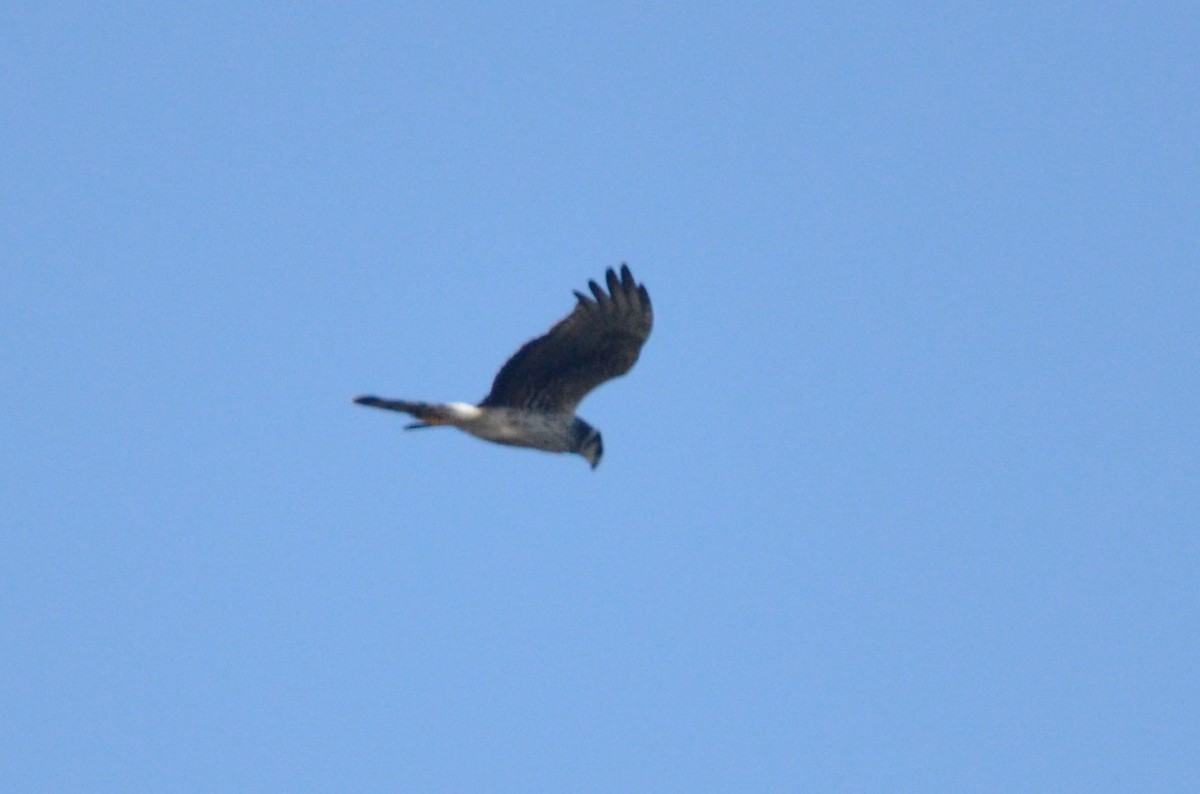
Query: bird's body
552	432
533	398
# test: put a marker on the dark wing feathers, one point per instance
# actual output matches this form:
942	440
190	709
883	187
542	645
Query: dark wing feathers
599	340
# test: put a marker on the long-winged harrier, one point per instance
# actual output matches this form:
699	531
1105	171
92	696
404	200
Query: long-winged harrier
533	398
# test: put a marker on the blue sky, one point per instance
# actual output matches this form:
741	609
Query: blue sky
902	495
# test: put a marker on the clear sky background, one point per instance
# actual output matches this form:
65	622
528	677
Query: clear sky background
903	495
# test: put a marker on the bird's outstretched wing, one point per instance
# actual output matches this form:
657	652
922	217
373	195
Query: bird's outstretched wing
599	340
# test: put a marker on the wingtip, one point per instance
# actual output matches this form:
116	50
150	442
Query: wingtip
627	276
614	284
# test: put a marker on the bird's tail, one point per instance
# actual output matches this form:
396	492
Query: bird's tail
430	414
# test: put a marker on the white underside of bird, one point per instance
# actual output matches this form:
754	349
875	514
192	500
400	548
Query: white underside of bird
513	426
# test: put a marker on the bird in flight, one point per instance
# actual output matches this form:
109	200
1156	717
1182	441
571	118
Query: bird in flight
533	398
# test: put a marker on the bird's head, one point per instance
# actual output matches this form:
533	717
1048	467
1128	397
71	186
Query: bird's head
588	442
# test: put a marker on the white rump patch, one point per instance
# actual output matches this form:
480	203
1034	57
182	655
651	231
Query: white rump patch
464	411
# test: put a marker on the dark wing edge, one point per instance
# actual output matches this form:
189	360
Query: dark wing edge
599	340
